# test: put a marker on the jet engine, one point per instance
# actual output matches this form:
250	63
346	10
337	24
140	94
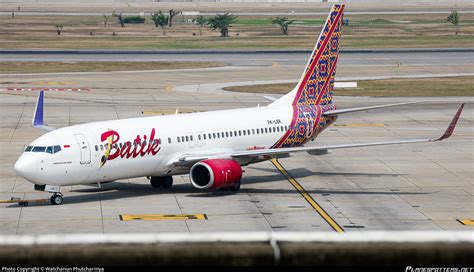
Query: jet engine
216	174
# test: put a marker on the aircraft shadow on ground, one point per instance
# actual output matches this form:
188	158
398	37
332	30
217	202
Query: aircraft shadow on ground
119	190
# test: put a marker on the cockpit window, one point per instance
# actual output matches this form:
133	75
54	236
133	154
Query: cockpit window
39	149
46	149
56	148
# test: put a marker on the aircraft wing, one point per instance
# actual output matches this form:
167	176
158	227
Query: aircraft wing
279	151
188	159
191	158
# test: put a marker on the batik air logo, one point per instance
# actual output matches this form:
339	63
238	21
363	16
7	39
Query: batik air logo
139	147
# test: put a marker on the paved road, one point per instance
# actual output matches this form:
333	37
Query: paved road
262	59
401	12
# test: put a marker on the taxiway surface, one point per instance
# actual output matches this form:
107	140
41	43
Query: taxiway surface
413	187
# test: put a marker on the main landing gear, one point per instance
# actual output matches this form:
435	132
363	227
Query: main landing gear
233	188
163	182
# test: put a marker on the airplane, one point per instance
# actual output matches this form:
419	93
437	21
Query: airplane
211	146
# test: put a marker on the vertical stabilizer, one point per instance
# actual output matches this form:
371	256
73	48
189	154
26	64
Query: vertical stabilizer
317	82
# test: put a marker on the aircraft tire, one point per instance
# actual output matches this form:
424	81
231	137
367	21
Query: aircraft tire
156	182
56	200
235	187
167	182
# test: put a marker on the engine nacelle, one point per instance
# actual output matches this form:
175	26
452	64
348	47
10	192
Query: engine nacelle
215	174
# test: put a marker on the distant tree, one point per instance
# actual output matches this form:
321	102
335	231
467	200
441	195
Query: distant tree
172	14
134	20
119	17
106	19
160	20
222	22
283	22
453	18
59	29
200	21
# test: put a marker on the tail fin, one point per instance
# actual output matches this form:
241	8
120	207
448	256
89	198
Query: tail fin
317	82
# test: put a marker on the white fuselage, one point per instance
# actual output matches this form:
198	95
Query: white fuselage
79	161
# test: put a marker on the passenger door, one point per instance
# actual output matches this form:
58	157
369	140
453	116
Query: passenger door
84	148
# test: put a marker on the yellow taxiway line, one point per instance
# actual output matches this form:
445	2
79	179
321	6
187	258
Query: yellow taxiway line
466	222
308	197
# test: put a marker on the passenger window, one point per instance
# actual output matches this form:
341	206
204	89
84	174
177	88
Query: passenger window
274	129
56	148
191	138
96	148
213	135
101	147
178	139
209	136
199	136
182	138
204	136
230	133
253	131
243	132
227	134
258	131
248	131
169	140
218	135
187	138
240	133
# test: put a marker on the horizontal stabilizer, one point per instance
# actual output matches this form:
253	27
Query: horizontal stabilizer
342	111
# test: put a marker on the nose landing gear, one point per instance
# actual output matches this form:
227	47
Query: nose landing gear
56	199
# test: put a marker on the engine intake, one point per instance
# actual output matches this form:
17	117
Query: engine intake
215	174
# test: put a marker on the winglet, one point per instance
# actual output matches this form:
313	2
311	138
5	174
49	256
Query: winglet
38	117
452	125
37	121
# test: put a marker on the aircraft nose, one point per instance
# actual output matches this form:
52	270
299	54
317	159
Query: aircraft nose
26	166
